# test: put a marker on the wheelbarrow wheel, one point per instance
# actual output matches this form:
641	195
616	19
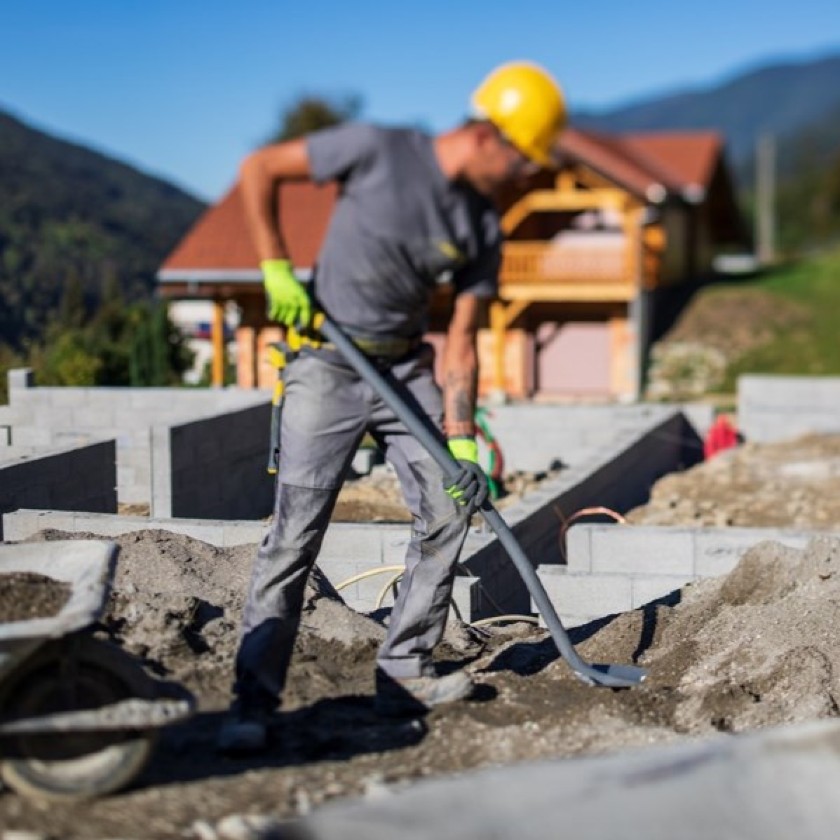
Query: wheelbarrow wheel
72	675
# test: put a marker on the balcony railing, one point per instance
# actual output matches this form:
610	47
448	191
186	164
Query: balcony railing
573	266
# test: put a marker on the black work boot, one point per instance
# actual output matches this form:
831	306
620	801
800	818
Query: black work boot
405	696
245	730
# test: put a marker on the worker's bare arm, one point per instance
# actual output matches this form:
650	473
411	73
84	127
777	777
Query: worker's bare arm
461	366
259	175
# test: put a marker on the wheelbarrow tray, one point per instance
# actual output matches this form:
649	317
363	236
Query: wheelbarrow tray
87	565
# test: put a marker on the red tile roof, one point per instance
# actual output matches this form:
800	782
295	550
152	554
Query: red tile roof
689	158
220	240
648	165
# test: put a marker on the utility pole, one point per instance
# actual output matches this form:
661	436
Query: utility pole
765	200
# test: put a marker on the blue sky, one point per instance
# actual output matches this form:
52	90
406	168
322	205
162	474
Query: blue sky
183	89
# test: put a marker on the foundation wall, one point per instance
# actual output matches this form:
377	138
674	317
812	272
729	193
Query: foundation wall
213	468
82	478
39	419
774	408
615	568
618	475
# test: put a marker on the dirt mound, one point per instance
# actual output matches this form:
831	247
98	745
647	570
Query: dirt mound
26	595
378	498
795	484
734	320
754	649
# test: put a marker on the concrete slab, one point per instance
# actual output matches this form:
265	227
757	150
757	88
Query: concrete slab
772	785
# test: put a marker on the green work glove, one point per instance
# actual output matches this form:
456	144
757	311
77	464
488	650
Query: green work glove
288	301
469	488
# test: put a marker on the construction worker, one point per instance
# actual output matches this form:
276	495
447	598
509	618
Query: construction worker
413	211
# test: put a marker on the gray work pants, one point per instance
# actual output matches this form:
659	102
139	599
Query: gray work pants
326	411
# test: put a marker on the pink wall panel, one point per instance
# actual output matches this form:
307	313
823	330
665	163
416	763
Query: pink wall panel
573	358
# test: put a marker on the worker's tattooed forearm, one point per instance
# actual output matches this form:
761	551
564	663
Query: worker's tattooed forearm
460	402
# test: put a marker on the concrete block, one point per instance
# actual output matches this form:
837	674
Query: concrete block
243	533
22	524
125	475
783	407
161	470
20	379
718	550
370	590
581	597
579	549
619	549
340	571
91	417
364	460
466	595
31	436
647	588
351	543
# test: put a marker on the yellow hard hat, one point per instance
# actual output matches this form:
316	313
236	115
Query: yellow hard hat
526	104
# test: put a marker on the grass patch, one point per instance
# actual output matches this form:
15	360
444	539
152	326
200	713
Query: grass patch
811	345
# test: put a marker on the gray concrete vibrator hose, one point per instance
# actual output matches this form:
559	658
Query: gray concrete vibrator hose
612	676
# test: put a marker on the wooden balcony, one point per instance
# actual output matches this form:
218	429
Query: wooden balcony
597	267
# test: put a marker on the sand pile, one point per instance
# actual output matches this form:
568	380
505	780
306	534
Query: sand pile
795	484
755	648
377	497
26	595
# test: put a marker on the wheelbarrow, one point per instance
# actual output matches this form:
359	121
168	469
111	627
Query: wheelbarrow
79	716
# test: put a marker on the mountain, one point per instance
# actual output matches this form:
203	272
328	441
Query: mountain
783	99
798	103
73	220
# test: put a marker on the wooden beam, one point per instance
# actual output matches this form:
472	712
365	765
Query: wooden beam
218	337
544	201
553	292
497	327
514	309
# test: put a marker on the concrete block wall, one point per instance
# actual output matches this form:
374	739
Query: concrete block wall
348	549
82	478
531	436
774	408
615	568
617	475
213	468
42	418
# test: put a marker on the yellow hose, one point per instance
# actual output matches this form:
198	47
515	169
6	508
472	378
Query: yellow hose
493	619
378	570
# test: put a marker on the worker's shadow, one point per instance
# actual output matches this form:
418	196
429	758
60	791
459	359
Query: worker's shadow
333	729
525	658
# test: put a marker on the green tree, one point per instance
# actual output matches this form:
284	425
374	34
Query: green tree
311	112
135	345
72	311
67	358
9	360
158	353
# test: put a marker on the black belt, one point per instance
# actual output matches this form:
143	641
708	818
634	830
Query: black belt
385	347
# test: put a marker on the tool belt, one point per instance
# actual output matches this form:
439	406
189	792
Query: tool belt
380	347
383	347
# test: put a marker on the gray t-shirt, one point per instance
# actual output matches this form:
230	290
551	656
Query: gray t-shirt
398	229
